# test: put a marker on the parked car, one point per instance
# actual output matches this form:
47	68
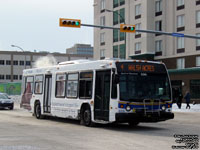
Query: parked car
6	102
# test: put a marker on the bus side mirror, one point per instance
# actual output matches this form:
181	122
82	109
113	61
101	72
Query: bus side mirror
116	79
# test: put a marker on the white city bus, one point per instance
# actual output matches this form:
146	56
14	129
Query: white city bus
102	91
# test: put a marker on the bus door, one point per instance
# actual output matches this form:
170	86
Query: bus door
47	94
102	95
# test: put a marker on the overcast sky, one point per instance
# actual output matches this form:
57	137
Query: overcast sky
34	24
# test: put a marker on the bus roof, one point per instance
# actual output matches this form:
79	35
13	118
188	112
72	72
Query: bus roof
78	65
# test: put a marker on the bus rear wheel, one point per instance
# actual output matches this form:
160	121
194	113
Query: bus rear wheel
37	111
86	118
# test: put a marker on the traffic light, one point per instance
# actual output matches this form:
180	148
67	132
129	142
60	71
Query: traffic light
76	23
127	28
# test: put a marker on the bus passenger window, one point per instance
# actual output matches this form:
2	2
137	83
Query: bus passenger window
72	85
60	85
29	85
85	85
38	84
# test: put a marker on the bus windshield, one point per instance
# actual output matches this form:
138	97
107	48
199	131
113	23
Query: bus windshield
140	86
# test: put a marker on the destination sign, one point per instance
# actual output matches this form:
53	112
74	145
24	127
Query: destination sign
140	67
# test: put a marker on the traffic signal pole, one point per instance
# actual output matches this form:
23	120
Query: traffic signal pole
148	31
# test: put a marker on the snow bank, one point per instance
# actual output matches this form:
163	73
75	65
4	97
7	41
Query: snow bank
193	108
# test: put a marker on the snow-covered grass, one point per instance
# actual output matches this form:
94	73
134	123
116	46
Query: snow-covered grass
193	108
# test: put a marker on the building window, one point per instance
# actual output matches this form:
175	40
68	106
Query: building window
158	45
85	85
198	61
15	62
115	3
15	77
8	77
122	50
21	63
115	17
197	2
122	36
138	11
180	63
115	35
102	20
60	85
102	5
158	26
198	19
180	44
8	62
20	77
137	47
119	16
2	62
102	54
180	4
28	63
198	42
122	15
122	2
115	51
195	88
72	85
137	27
102	38
158	8
180	23
1	77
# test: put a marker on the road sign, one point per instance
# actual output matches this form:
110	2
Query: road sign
178	34
127	28
75	23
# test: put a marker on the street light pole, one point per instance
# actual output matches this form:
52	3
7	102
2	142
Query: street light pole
22	51
121	17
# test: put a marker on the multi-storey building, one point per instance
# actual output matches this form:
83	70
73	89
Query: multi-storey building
12	63
80	49
181	55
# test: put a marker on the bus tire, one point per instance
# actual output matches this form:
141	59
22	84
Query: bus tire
133	123
86	117
37	111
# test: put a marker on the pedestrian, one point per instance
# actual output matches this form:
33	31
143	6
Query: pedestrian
179	102
187	99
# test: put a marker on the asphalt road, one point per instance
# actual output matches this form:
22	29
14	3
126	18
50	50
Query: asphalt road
19	130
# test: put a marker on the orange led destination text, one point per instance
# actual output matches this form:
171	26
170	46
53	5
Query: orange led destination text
146	68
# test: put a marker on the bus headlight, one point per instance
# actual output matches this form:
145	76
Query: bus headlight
163	107
128	108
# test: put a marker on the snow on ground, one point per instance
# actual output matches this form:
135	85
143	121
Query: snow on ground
193	108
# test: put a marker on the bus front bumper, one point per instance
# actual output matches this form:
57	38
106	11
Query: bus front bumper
141	117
